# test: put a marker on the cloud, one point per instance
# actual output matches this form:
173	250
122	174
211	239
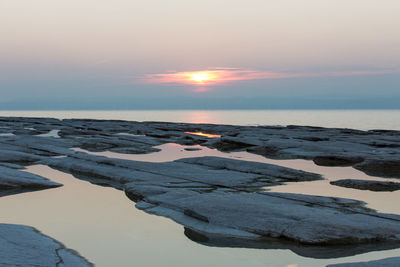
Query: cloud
215	76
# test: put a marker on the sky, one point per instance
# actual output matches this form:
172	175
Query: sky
131	54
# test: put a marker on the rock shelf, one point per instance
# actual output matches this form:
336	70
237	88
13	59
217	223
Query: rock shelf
25	246
216	199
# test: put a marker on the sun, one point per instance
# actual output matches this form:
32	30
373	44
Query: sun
201	77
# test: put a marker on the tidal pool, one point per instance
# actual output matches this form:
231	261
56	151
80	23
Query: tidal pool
103	225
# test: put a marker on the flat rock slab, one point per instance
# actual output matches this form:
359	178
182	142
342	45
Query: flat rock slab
25	246
14	179
337	160
388	262
381	167
208	171
305	219
264	169
10	156
377	186
223	196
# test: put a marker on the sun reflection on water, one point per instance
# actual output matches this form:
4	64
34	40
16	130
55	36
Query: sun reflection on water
205	134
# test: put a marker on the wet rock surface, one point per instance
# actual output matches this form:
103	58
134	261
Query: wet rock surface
337	160
13	180
368	185
25	246
225	197
315	221
311	251
204	171
380	167
217	199
374	152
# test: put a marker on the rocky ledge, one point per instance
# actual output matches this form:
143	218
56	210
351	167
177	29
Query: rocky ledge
25	246
222	197
12	180
218	199
375	152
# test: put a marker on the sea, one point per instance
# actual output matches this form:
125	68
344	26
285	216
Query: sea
355	119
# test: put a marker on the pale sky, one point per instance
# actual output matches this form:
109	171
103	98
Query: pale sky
117	50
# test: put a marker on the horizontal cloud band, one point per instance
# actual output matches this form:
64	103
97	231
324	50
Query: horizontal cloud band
225	75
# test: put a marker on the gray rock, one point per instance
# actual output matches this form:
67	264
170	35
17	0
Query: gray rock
135	150
316	252
269	171
11	165
367	185
25	246
210	171
221	193
256	215
380	167
218	199
17	157
327	146
336	160
11	179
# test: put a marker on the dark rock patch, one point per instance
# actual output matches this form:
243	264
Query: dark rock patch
194	214
192	148
377	186
230	145
313	138
266	151
336	160
383	168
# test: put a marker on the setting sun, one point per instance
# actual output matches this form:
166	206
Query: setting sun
201	77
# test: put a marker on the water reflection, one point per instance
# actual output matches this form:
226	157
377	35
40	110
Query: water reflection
317	252
205	134
201	116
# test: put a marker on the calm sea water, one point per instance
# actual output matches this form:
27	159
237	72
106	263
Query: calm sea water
356	119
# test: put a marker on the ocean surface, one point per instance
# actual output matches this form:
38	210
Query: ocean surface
356	119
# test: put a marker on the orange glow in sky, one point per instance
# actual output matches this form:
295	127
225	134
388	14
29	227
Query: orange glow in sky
205	77
215	76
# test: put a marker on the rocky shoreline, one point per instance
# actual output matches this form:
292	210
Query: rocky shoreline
216	199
